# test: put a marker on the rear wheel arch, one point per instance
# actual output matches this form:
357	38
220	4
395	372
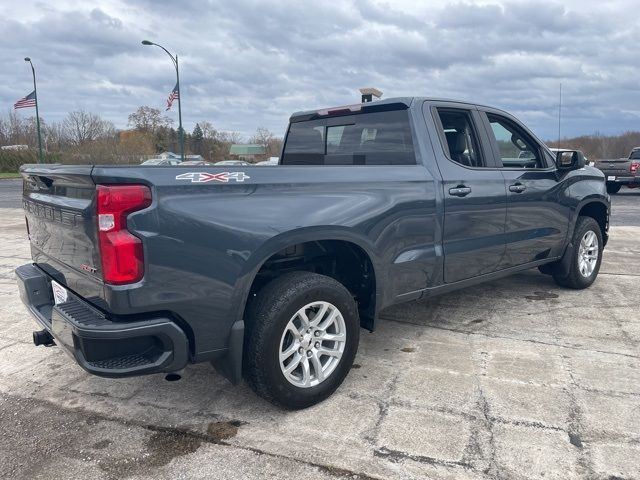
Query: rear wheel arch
347	260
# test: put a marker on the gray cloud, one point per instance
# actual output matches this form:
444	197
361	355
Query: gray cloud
246	64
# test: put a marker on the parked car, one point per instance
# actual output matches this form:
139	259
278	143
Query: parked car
266	163
194	162
232	163
137	271
161	161
621	171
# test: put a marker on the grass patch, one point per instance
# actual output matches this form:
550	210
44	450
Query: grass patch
9	175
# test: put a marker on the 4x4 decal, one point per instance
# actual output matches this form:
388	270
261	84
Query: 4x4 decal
204	177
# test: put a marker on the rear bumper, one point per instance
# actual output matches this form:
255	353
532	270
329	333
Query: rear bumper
624	180
100	345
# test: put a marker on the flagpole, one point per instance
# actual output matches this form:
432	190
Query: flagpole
175	64
180	111
35	90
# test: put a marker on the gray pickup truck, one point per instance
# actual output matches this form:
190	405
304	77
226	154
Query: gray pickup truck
271	271
621	171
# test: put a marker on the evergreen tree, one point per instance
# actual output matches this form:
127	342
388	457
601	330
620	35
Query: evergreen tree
197	139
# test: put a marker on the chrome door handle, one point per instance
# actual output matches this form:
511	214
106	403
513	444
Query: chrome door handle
517	188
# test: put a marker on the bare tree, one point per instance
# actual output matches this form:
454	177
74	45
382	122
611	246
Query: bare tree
209	132
262	137
81	127
148	119
230	137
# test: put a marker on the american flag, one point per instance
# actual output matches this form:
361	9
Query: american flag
26	102
175	93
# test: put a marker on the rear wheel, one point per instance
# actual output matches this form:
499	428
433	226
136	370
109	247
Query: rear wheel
613	188
586	257
302	339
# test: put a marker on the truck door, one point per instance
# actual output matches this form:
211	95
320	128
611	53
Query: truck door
473	191
537	217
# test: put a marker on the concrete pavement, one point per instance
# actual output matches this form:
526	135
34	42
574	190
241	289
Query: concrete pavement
517	378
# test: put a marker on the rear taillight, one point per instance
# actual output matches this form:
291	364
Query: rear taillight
635	166
121	252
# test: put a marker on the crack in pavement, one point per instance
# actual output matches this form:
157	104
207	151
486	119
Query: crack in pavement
505	337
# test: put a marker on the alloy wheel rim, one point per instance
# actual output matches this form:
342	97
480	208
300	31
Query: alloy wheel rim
588	253
312	344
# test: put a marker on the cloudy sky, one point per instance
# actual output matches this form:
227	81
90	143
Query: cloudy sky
246	64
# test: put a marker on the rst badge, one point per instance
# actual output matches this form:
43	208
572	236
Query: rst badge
204	177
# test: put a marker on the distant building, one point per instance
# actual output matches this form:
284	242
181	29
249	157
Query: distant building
249	152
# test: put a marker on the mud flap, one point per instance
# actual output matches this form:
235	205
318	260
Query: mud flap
564	265
230	366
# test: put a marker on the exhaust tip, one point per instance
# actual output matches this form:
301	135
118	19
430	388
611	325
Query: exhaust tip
173	376
43	337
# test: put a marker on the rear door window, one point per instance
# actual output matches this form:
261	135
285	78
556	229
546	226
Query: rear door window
459	139
379	138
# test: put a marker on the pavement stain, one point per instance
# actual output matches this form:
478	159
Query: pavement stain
542	296
101	444
161	448
408	349
223	430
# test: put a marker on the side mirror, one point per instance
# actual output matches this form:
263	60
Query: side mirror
569	160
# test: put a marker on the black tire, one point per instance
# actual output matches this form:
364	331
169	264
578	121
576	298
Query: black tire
268	315
613	188
575	279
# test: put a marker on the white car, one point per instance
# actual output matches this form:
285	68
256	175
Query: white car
238	163
161	161
266	163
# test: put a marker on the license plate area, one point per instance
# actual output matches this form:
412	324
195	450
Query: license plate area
611	178
60	294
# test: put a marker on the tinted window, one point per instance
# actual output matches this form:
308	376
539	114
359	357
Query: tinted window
635	155
381	138
460	141
305	144
517	149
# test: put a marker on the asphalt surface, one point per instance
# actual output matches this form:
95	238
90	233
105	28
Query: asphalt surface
517	378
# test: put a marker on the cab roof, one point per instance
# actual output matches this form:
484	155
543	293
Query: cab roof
396	103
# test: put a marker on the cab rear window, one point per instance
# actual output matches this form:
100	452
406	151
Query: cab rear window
379	138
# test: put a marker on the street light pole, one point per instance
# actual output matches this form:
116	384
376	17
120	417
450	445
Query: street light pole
35	91
174	59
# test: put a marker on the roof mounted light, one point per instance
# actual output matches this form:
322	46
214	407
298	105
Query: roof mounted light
368	93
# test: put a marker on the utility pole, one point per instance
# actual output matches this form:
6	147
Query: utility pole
35	90
559	114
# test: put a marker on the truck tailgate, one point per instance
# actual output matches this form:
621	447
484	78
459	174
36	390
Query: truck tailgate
618	166
59	204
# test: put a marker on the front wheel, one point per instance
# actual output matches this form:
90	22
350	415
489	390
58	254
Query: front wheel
613	188
302	339
586	258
